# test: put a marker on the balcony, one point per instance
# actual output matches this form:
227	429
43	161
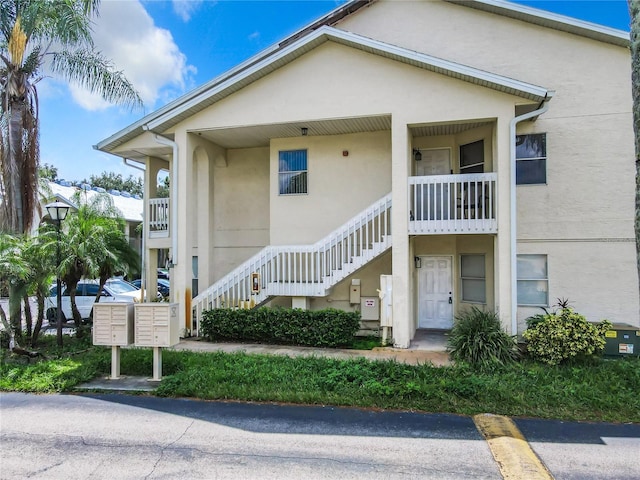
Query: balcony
453	204
158	218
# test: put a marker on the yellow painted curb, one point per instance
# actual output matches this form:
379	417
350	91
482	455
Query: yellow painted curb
511	451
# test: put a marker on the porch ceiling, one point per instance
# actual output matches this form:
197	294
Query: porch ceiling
445	129
252	136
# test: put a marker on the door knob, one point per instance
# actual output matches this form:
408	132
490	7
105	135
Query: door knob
450	299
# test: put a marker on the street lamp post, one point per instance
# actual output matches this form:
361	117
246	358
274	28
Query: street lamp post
58	212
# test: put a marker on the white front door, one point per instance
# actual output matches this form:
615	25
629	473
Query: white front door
435	293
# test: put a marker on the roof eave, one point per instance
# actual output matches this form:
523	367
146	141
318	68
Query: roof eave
532	92
550	20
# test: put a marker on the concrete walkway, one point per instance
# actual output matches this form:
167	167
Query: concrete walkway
426	347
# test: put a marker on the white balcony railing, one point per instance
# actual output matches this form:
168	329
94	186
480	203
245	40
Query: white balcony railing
158	217
453	204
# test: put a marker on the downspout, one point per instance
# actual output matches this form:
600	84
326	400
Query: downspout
174	194
143	279
514	207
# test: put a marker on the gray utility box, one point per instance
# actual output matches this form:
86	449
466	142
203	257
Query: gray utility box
622	340
156	325
113	324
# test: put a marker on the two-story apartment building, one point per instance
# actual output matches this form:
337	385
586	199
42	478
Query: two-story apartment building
478	153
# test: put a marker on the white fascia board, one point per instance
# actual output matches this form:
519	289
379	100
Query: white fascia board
438	64
326	33
549	19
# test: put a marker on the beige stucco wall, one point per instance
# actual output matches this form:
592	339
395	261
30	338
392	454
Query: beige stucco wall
338	186
593	275
350	83
241	214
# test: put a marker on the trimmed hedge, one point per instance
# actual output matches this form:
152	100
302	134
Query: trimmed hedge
319	328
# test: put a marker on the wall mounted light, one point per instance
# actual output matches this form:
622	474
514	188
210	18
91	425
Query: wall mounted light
304	131
417	155
418	262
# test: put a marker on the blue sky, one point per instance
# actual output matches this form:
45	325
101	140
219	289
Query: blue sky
166	48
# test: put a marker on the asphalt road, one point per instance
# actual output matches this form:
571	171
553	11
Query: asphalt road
132	437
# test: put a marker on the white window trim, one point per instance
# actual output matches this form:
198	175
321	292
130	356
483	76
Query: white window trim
294	172
546	279
484	279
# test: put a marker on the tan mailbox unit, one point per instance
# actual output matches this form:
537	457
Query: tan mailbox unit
113	326
156	325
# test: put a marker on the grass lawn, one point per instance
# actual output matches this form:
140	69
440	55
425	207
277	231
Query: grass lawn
604	390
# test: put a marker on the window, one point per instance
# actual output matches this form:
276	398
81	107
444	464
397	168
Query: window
533	280
292	172
472	157
472	273
531	159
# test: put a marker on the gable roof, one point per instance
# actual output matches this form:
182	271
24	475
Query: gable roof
224	86
321	31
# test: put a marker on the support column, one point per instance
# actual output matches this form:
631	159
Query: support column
502	243
186	216
403	329
153	167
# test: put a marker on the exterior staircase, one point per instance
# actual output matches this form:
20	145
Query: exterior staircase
302	270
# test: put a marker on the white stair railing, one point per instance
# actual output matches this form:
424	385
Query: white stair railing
302	270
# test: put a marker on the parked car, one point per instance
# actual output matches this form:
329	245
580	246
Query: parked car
163	286
115	290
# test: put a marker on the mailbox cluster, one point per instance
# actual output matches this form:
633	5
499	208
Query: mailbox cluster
142	324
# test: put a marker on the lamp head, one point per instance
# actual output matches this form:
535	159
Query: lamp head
57	211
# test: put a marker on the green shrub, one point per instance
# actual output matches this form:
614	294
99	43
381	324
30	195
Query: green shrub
563	336
477	338
319	328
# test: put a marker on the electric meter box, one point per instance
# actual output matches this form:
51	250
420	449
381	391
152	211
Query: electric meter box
622	340
369	308
156	324
113	324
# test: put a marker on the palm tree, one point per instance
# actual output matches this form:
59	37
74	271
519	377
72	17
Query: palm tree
38	254
13	270
35	34
94	245
634	11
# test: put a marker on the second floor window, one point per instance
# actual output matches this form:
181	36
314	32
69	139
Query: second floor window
292	172
472	157
531	159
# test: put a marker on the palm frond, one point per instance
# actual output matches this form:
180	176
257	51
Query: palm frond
92	71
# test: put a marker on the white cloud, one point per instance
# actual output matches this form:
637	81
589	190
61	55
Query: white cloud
254	36
184	8
126	34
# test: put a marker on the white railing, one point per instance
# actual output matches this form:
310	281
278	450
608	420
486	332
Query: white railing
302	270
158	218
453	204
